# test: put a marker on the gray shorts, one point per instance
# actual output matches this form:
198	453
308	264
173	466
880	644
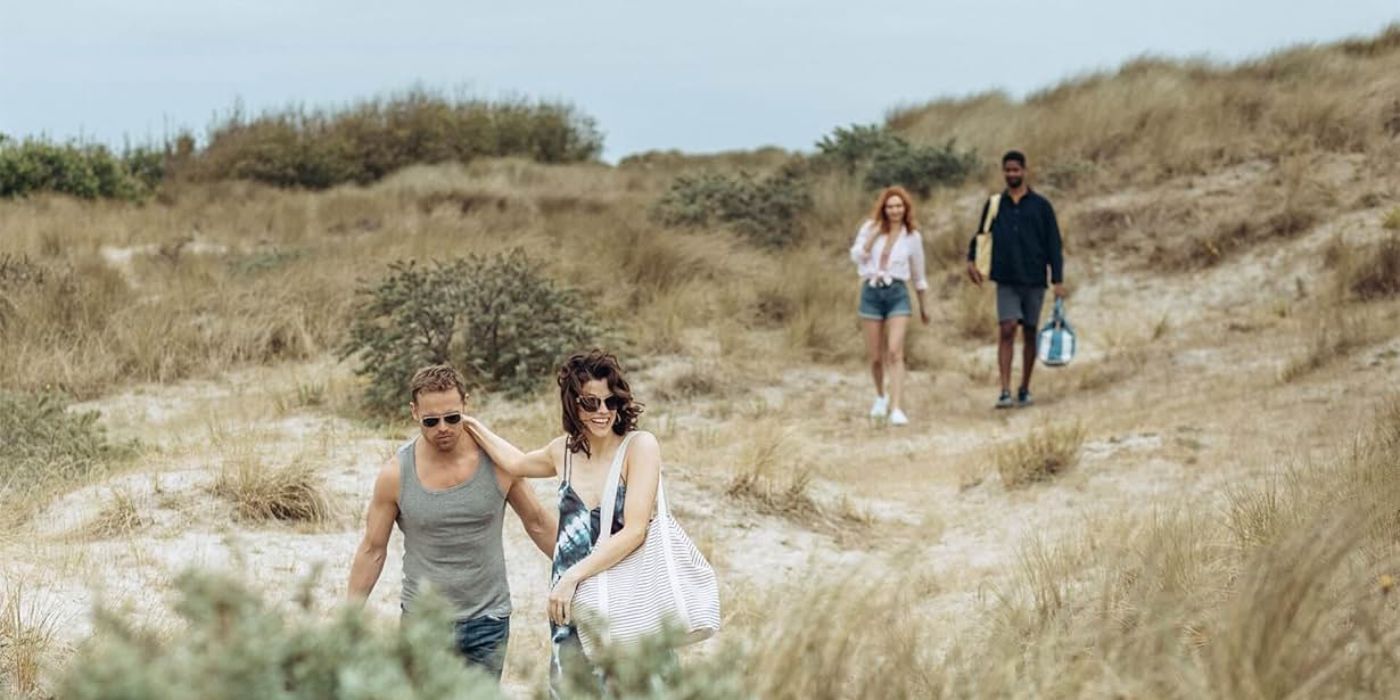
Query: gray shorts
1020	303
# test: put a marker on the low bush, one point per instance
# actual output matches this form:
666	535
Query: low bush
369	140
234	644
766	211
499	319
852	148
886	159
86	171
920	168
44	444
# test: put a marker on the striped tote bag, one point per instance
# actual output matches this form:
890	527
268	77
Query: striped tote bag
663	584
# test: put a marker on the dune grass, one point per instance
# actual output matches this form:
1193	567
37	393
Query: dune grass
262	492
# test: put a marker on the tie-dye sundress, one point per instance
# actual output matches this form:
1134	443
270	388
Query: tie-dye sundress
578	532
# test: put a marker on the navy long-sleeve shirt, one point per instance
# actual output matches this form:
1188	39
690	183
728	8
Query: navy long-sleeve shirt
1025	241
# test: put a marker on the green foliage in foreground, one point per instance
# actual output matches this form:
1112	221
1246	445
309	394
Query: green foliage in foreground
233	645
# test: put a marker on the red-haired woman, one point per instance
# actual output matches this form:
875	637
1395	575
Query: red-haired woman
600	425
889	255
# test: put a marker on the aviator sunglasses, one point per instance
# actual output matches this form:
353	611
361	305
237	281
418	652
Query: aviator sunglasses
432	421
593	404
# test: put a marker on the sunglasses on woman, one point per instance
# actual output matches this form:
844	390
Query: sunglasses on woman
593	404
450	418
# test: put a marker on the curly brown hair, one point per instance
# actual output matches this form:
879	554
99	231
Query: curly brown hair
580	369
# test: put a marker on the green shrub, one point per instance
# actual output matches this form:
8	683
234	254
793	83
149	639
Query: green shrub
919	168
368	140
234	645
86	171
498	319
887	159
147	165
853	148
43	444
766	211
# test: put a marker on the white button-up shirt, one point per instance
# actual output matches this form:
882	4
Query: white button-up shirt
906	261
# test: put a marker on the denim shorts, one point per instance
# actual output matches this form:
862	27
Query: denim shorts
482	642
880	303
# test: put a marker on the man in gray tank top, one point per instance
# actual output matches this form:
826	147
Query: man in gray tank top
448	499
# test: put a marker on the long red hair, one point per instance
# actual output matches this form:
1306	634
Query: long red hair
882	220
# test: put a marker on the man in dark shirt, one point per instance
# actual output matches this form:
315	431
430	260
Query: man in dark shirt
1025	246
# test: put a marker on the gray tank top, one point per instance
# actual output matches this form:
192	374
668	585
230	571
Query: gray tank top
452	539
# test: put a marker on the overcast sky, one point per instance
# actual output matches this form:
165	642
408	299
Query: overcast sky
699	76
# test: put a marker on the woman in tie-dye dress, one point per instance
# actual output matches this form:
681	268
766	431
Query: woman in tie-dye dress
599	419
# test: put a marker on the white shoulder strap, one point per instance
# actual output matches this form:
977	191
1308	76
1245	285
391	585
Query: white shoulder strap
610	491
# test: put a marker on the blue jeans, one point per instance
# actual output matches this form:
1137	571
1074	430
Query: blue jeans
482	641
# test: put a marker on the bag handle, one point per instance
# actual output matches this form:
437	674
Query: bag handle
610	491
993	205
605	532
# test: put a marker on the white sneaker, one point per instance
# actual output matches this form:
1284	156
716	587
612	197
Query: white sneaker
898	418
881	407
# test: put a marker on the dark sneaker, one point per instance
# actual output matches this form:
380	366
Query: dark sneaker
1023	398
1005	400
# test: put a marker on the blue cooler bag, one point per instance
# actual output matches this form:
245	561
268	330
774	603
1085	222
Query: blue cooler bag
1057	343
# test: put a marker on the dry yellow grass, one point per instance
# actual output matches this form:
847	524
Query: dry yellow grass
1392	220
261	492
1155	118
28	630
119	517
770	473
1040	456
1330	338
